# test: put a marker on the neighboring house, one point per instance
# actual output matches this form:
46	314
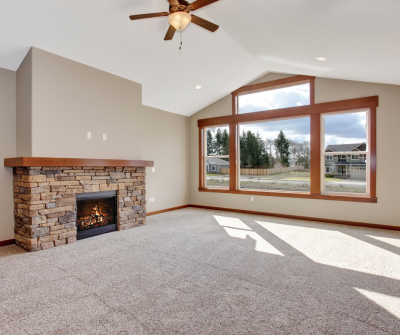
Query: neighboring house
346	160
214	165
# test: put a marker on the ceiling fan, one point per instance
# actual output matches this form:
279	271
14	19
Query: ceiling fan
179	16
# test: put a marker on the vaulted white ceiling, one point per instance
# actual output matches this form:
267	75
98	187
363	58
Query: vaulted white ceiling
360	39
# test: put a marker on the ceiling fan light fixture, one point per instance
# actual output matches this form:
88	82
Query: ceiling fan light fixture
179	20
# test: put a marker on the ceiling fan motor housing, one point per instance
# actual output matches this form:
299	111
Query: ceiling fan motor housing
183	6
180	8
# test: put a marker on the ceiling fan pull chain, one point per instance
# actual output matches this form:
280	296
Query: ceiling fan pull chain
180	46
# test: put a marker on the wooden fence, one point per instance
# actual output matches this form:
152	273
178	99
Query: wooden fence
266	172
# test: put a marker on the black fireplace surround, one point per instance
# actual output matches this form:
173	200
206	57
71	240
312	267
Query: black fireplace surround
96	213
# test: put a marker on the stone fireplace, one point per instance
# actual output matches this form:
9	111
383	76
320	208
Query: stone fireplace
56	205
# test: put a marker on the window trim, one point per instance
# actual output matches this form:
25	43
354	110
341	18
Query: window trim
314	111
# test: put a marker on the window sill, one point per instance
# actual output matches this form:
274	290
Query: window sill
303	195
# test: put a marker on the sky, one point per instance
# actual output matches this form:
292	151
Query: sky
295	129
339	128
345	128
298	95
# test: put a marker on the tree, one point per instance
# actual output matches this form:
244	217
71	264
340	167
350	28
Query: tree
300	152
281	144
225	143
252	151
268	146
264	157
244	152
218	143
210	143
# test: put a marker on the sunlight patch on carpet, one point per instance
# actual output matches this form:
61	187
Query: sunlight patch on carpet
231	222
387	302
325	245
393	241
238	229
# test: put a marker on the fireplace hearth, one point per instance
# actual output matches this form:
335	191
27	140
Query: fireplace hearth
96	213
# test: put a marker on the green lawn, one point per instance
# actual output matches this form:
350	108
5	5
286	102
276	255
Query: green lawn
308	179
256	182
302	176
287	175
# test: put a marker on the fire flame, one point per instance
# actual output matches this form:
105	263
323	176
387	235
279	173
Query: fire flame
96	218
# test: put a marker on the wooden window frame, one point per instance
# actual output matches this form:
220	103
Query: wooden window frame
315	112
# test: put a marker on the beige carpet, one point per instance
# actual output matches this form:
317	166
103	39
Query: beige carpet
197	271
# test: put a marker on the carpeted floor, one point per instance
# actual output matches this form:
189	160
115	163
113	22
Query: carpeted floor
197	271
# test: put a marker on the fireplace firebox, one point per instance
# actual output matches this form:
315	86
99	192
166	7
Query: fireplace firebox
96	213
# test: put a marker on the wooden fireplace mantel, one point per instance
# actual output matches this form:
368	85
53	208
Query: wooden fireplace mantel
47	161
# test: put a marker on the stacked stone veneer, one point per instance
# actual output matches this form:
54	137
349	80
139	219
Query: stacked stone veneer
45	202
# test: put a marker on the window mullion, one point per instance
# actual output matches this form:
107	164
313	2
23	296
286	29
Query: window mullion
315	159
233	155
372	151
235	105
202	153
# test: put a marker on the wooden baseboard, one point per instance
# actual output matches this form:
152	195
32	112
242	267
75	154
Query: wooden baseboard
167	210
306	218
7	242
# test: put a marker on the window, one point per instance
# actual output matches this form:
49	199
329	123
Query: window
297	95
345	132
275	155
217	158
301	150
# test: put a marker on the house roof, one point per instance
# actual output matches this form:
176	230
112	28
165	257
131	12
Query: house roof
217	161
345	147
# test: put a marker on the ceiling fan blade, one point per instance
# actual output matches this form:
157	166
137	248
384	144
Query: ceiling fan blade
148	16
170	34
173	2
201	3
204	23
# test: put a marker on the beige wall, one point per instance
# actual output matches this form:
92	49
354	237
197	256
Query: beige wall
7	149
60	100
70	99
388	183
24	107
166	141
